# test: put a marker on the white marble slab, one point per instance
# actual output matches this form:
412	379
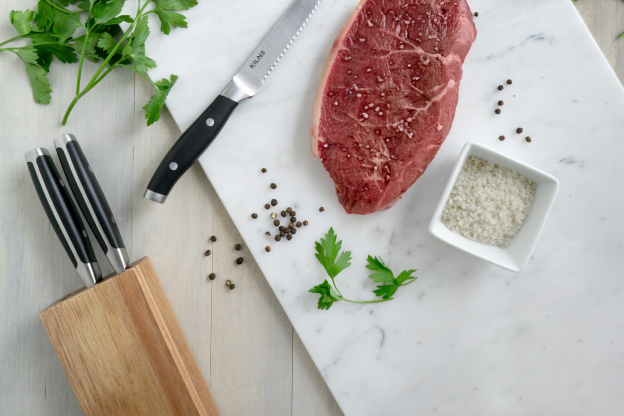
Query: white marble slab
468	337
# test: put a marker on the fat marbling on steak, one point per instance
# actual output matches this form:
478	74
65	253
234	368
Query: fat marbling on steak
387	96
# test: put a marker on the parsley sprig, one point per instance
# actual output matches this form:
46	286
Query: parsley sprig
78	30
334	261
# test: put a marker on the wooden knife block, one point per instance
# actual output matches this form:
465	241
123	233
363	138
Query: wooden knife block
123	350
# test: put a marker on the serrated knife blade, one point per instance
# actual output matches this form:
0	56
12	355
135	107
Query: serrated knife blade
245	84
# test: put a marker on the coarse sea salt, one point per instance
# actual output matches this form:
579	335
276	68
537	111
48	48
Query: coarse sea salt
488	203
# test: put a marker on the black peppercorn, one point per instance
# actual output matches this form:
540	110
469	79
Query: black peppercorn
298	224
274	202
232	286
287	230
290	225
276	223
263	170
519	130
321	209
476	14
212	276
500	87
497	111
237	247
509	82
528	139
293	219
213	238
293	231
273	186
282	233
501	138
254	215
278	238
289	210
267	206
293	214
281	228
268	234
289	237
305	223
283	213
239	260
207	253
501	102
267	248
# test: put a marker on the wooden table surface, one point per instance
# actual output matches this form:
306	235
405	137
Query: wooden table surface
252	359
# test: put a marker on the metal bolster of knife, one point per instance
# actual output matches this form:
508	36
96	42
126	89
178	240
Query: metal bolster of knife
236	91
63	215
91	200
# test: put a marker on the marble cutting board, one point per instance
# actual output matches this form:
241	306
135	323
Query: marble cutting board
468	337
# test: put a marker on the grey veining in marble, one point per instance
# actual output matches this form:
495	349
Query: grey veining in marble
468	337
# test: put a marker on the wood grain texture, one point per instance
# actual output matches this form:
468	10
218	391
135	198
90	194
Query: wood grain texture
123	350
240	337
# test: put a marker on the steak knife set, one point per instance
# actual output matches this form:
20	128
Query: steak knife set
54	194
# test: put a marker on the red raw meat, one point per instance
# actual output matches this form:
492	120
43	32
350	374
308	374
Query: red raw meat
387	96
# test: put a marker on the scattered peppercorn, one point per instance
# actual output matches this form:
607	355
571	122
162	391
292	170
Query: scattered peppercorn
283	213
273	186
254	215
273	215
267	248
519	130
267	206
289	237
476	14
274	202
290	225
501	102
281	228
213	239
497	111
500	87
207	253
263	170
293	219
278	238
298	224
509	82
305	223
232	286
282	233
237	247
293	214
239	260
321	209
228	282
293	231
276	223
528	139
289	210
268	234
501	138
287	230
212	276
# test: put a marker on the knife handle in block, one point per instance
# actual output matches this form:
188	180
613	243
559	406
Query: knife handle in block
123	350
63	215
91	200
189	148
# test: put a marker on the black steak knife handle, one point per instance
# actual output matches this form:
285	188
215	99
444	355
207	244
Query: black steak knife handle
63	215
189	148
91	200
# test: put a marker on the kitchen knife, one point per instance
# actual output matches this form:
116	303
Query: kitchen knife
63	215
91	200
245	84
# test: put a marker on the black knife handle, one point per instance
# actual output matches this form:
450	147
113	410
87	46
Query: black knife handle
91	200
63	214
189	148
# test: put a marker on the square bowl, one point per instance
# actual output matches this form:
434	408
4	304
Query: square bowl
517	254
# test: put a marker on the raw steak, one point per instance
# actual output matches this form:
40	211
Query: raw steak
387	96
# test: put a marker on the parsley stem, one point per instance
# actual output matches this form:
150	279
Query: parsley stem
336	287
84	48
88	88
10	40
140	73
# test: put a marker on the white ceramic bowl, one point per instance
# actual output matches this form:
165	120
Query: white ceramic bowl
517	254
